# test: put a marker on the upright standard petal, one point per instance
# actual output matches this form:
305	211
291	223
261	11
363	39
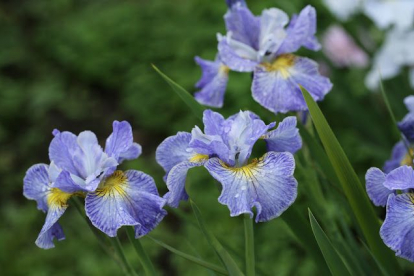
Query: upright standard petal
176	180
173	150
213	122
285	137
276	86
244	26
301	32
61	150
129	198
267	184
237	56
119	144
36	185
401	178
272	32
243	132
376	190
397	231
213	82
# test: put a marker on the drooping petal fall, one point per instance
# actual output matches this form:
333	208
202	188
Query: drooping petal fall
267	184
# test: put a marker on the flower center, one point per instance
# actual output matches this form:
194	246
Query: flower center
113	184
58	198
224	69
246	170
281	64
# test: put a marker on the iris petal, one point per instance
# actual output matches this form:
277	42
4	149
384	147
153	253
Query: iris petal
267	184
277	86
129	198
213	82
285	137
51	229
376	190
397	230
401	178
176	182
36	185
173	150
120	143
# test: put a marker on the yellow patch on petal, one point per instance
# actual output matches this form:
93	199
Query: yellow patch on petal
407	160
199	158
246	170
58	198
224	69
281	64
113	185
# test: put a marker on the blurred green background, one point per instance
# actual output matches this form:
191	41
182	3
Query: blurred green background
80	64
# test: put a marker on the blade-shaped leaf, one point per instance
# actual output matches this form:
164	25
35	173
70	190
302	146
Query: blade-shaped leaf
190	257
195	107
302	230
224	256
353	189
333	260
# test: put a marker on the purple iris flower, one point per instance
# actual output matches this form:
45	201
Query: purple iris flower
406	126
264	45
224	149
397	230
81	167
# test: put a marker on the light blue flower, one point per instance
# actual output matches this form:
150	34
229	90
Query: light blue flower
263	45
81	167
224	149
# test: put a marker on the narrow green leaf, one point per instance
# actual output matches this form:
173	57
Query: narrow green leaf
224	256
380	266
333	260
195	107
297	222
353	189
318	154
190	257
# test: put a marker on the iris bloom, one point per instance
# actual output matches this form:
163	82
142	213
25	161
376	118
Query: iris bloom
224	149
81	167
396	53
397	229
264	45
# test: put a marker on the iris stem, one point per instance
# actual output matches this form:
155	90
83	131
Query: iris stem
98	235
249	243
142	255
118	248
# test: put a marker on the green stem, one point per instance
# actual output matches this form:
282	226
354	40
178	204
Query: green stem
98	235
118	248
249	241
191	258
142	255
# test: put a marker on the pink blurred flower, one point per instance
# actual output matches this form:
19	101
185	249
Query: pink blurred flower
341	49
